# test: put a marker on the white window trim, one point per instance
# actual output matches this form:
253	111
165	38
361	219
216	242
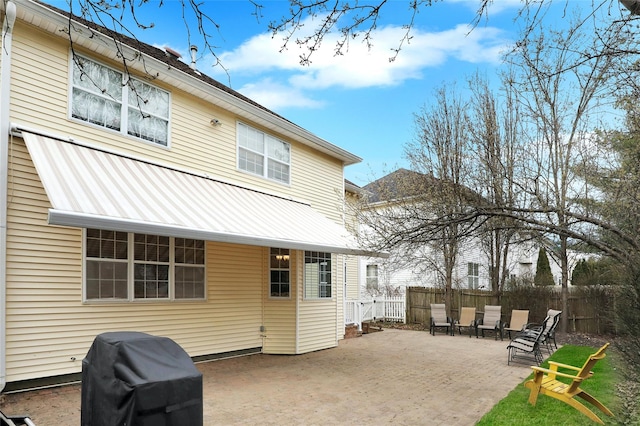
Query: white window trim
265	157
125	104
131	278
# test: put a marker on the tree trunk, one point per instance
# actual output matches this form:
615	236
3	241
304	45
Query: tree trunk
564	267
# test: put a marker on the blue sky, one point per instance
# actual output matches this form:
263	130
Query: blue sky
360	101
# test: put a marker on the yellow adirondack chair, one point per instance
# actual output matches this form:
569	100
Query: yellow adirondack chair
544	382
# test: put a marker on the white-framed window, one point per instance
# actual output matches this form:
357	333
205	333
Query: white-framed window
280	280
128	266
263	154
372	277
317	275
108	98
473	275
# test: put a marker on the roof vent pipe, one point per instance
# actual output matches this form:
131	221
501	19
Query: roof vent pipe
194	51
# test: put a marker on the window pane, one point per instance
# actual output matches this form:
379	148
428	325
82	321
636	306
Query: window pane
106	280
151	248
179	253
151	281
148	99
106	244
96	78
93	247
96	110
278	150
279	258
284	290
189	282
189	251
278	171
250	138
147	127
251	162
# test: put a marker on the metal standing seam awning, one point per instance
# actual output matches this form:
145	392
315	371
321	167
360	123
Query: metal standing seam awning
91	188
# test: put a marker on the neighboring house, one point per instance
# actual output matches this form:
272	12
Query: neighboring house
422	268
171	205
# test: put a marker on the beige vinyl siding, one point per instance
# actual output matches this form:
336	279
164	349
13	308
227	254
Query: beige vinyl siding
353	279
317	325
317	318
280	313
319	180
49	329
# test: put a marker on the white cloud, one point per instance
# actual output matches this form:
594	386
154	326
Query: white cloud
360	67
274	95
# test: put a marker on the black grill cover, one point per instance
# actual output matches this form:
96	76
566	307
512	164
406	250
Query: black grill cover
135	379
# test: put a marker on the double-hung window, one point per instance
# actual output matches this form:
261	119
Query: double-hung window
128	266
108	98
263	155
473	275
317	275
280	284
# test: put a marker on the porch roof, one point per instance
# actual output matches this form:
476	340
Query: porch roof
93	188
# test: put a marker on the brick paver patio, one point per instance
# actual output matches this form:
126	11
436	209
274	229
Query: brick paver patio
395	377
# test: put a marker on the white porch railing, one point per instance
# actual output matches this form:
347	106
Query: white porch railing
378	309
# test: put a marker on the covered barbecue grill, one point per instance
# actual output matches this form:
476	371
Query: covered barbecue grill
135	379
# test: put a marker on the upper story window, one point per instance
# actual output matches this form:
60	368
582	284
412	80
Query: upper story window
473	275
127	266
263	155
108	98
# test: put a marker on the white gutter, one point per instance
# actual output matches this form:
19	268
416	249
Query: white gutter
5	103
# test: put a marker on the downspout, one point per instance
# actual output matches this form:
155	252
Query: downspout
5	102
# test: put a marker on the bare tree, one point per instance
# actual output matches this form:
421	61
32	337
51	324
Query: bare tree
357	21
440	150
392	219
495	140
561	80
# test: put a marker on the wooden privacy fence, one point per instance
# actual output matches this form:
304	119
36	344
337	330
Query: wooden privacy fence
589	310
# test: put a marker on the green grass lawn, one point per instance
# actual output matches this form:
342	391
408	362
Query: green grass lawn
514	409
